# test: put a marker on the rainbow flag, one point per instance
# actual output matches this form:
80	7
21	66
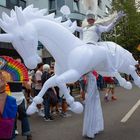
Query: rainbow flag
16	69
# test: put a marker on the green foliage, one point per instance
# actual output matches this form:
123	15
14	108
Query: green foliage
128	30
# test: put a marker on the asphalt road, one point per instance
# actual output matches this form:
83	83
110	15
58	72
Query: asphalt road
71	128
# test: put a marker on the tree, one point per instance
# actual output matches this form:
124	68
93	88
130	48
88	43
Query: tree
127	33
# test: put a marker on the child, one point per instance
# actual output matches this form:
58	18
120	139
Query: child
110	83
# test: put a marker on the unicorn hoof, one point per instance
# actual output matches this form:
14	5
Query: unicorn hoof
70	100
128	85
38	100
31	109
76	107
122	82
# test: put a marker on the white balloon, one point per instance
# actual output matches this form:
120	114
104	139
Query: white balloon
65	10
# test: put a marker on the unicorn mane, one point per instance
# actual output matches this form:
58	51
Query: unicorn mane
21	16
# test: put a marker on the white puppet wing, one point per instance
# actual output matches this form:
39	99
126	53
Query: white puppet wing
90	6
107	20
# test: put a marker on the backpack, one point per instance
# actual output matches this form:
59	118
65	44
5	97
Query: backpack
53	97
45	76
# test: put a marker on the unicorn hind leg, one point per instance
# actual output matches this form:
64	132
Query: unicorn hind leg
122	81
135	76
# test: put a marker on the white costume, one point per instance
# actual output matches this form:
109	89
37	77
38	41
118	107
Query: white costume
93	117
92	34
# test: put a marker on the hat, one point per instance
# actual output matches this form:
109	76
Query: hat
46	67
90	16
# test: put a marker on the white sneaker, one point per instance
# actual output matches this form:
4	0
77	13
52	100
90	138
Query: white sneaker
16	132
41	113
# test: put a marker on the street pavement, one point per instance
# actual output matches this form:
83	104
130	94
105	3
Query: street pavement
113	111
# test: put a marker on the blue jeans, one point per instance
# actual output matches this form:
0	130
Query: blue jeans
25	126
46	103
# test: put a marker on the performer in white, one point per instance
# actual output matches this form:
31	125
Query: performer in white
91	34
93	117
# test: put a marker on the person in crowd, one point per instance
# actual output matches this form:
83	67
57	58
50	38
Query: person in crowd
138	68
63	103
33	81
8	110
38	86
38	82
64	106
49	93
100	82
27	90
110	88
16	89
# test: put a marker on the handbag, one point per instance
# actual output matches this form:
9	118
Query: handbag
6	127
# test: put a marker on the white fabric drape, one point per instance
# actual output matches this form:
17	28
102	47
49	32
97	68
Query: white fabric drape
93	117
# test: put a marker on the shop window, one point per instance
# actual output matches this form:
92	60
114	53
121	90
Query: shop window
60	3
12	3
52	4
76	5
22	3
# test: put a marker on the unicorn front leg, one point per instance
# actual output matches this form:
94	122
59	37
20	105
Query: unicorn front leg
134	75
38	99
122	81
69	77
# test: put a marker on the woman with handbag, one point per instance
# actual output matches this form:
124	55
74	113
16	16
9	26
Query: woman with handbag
8	110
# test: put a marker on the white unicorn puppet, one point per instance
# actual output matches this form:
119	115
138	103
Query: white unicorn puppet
74	58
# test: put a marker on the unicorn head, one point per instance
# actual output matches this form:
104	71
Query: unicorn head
21	34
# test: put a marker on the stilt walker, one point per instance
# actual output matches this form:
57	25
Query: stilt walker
93	117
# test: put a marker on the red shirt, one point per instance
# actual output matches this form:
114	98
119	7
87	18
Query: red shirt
109	80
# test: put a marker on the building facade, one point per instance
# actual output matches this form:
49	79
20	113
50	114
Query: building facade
104	6
6	6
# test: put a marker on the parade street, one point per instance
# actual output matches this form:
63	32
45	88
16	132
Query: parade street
118	124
